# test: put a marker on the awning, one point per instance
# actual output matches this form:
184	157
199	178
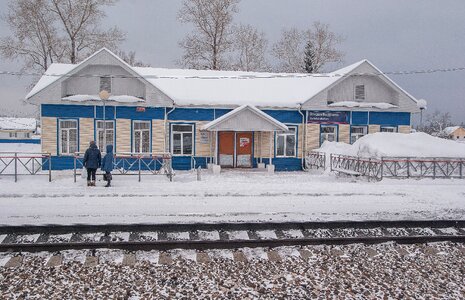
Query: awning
245	118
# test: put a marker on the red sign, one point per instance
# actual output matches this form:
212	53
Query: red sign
140	109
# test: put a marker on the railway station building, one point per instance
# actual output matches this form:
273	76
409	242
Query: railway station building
223	118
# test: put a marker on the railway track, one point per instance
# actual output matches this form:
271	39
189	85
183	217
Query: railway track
203	236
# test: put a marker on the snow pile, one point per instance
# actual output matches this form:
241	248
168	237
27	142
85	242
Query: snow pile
120	98
352	104
18	123
388	144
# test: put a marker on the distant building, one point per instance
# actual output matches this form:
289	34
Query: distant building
17	128
454	133
227	118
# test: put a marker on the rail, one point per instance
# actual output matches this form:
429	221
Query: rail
139	164
25	163
315	160
400	167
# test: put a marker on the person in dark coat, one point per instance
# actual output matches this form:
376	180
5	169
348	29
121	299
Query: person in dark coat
92	161
107	164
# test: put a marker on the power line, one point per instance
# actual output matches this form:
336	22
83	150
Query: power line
240	76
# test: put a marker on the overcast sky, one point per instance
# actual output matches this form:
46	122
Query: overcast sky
393	34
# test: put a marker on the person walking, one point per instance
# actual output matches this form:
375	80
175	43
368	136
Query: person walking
107	165
92	161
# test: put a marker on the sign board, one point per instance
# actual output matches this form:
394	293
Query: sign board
140	109
333	117
244	142
204	137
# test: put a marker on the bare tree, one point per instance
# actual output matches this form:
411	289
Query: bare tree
130	58
324	45
250	49
47	31
205	47
436	123
34	37
289	51
308	50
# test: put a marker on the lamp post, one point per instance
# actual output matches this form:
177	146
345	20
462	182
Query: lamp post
422	104
104	95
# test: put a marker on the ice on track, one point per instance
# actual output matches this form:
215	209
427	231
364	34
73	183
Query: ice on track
110	256
148	256
288	252
293	233
255	253
29	238
448	230
148	236
59	238
220	254
238	235
120	236
266	234
2	237
74	256
177	236
4	258
184	254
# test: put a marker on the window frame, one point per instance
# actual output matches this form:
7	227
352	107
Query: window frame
13	135
285	134
364	92
336	132
60	140
97	130
173	132
395	129
365	132
133	136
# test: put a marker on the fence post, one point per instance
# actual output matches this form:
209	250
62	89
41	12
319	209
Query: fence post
16	166
408	167
324	161
331	162
198	174
74	167
461	168
434	168
382	167
49	167
139	167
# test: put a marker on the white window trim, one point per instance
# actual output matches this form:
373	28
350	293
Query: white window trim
365	132
364	92
182	140
67	129
97	130
141	130
393	127
336	133
285	134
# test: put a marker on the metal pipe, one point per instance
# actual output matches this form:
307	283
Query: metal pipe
164	125
304	137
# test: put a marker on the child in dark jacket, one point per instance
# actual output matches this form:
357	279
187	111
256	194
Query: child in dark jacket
107	165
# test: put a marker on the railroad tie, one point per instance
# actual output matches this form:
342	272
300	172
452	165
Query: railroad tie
91	261
239	256
14	262
165	259
54	261
129	259
202	257
274	256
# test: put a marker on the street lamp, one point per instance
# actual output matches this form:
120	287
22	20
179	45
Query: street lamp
104	95
421	104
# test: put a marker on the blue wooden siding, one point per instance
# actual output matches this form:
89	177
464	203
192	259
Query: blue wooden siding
130	112
67	111
285	116
109	112
359	118
389	118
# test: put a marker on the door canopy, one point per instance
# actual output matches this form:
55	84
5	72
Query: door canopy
245	118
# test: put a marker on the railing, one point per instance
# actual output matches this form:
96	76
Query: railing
315	160
399	167
25	163
134	164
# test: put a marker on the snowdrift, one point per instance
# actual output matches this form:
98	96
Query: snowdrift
387	144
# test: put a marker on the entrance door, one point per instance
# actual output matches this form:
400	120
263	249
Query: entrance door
226	148
244	149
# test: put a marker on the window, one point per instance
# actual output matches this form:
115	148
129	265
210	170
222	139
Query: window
182	139
357	132
107	136
13	135
286	143
141	137
328	133
388	129
27	135
68	136
360	92
105	84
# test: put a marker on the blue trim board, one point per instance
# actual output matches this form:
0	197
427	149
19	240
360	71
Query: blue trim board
67	111
192	114
285	116
359	118
110	112
389	118
150	113
19	141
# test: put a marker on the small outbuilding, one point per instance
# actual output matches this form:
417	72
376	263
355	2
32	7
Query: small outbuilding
17	128
454	133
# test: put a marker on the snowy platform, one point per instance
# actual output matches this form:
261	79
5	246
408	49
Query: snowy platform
228	197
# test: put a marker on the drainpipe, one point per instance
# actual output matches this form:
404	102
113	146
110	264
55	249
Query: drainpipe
164	125
304	137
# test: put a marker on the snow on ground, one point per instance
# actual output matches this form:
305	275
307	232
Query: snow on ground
233	196
384	144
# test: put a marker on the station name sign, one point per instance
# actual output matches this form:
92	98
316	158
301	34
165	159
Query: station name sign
337	117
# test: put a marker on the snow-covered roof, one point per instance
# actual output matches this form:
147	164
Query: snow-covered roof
351	104
17	123
120	98
450	130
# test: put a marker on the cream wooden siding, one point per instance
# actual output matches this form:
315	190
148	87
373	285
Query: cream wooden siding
313	137
202	150
123	135
404	129
373	128
86	133
344	133
158	136
49	135
300	141
265	145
